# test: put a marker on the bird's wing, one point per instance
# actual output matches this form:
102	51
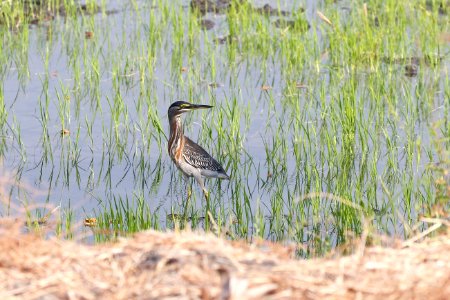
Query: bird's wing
197	157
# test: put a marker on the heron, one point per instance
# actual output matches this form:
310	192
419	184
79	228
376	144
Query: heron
189	157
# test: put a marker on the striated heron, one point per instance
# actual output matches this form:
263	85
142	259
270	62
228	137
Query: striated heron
191	159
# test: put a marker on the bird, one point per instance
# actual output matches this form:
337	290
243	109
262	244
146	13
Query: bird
190	158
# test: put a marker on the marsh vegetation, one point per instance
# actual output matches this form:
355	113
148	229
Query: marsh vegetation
329	116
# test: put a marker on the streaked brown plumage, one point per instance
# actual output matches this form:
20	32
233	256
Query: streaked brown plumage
190	158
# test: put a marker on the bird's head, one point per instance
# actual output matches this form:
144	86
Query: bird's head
179	107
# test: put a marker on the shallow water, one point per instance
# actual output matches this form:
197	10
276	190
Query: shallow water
285	144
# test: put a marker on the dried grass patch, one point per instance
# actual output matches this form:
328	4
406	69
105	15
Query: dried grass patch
197	266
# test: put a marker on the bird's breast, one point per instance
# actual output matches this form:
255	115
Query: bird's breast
176	149
179	151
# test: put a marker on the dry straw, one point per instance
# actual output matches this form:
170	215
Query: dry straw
155	265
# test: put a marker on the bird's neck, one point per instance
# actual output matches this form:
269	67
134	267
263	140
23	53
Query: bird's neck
176	127
176	133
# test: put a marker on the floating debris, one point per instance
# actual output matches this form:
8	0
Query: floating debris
269	10
224	39
175	217
414	60
222	6
37	11
443	6
300	85
324	18
301	25
88	35
38	222
376	22
207	24
283	23
90	222
215	85
65	132
411	70
213	6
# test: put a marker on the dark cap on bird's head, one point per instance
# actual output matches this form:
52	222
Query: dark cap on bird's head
180	107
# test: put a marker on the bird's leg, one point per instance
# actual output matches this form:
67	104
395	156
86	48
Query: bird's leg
189	193
199	179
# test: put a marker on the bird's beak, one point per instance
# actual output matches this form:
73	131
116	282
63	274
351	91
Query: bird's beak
199	106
